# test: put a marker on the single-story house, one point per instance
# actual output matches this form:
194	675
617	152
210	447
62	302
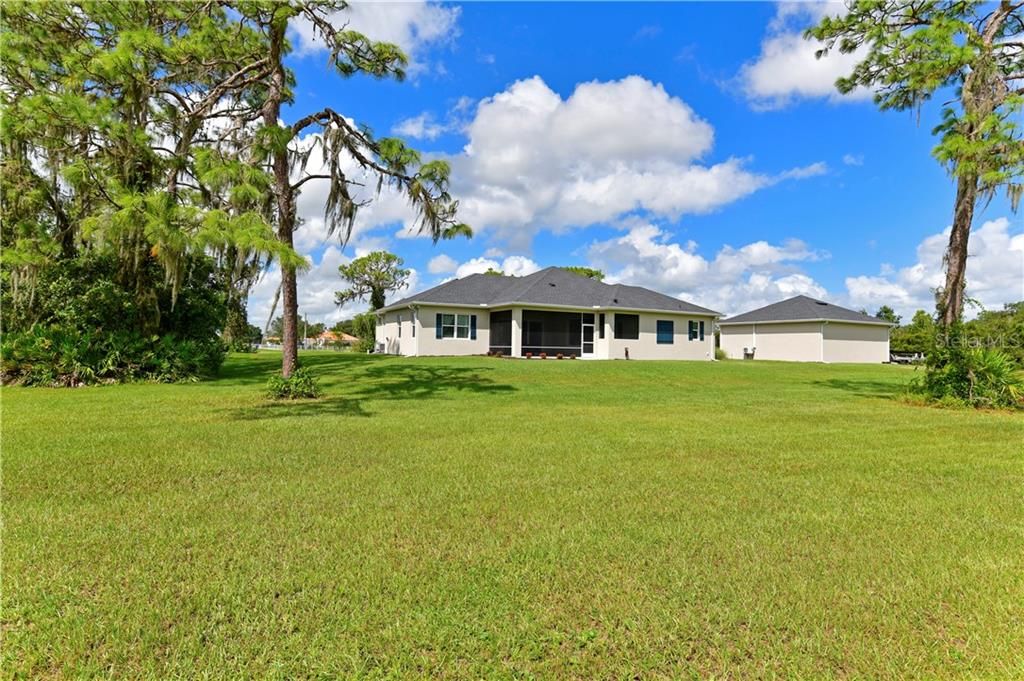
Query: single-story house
333	338
552	311
803	329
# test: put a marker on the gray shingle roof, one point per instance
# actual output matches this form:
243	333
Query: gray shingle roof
801	308
550	286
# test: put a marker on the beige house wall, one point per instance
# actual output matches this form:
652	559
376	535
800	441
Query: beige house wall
395	333
647	346
809	341
735	338
859	343
424	343
786	342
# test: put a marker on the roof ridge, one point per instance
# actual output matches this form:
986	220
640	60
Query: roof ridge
516	284
801	307
534	283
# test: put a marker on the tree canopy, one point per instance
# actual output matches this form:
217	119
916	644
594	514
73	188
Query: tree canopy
588	272
888	314
153	132
123	179
372	276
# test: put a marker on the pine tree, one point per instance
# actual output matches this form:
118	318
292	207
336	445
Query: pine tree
389	161
916	49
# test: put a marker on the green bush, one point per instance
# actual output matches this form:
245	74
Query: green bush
721	354
247	341
300	385
959	375
82	324
365	327
61	356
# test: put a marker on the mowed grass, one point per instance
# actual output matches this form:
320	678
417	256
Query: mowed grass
478	517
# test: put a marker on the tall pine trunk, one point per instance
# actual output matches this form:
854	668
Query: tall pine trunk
285	200
951	302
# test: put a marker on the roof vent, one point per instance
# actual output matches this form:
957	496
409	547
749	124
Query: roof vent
818	302
551	283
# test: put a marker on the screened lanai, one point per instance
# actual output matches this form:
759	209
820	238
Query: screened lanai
547	331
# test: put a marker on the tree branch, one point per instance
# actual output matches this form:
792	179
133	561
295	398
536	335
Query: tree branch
307	178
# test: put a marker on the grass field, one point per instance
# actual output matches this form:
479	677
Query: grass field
493	518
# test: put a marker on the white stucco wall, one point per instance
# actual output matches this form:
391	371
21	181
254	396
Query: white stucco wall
424	342
388	335
787	342
860	343
809	341
735	338
647	346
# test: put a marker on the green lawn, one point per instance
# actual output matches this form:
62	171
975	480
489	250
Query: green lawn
493	518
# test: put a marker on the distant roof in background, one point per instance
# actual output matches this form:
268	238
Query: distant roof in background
550	286
802	308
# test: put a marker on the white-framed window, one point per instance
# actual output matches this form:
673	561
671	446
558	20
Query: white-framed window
447	326
456	326
462	326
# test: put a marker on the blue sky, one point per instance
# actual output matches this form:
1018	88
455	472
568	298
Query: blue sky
695	148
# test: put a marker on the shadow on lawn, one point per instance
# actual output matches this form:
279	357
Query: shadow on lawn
879	389
330	406
250	369
415	382
361	382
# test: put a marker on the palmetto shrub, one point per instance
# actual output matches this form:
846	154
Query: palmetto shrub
300	385
957	375
82	325
61	356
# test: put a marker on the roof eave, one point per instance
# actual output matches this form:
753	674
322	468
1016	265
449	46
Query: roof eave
727	322
597	308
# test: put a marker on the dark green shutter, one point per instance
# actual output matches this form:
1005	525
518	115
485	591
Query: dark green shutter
437	325
702	330
472	327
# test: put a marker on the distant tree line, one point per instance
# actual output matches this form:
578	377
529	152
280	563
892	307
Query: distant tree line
1001	330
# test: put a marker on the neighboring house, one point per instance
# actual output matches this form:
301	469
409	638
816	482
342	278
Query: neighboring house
803	329
552	311
332	338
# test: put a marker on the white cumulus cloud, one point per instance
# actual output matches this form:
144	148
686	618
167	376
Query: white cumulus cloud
422	127
735	280
537	161
412	25
513	266
787	68
995	273
442	264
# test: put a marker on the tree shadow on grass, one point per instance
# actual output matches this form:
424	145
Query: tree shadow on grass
877	389
416	382
330	406
386	381
256	369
